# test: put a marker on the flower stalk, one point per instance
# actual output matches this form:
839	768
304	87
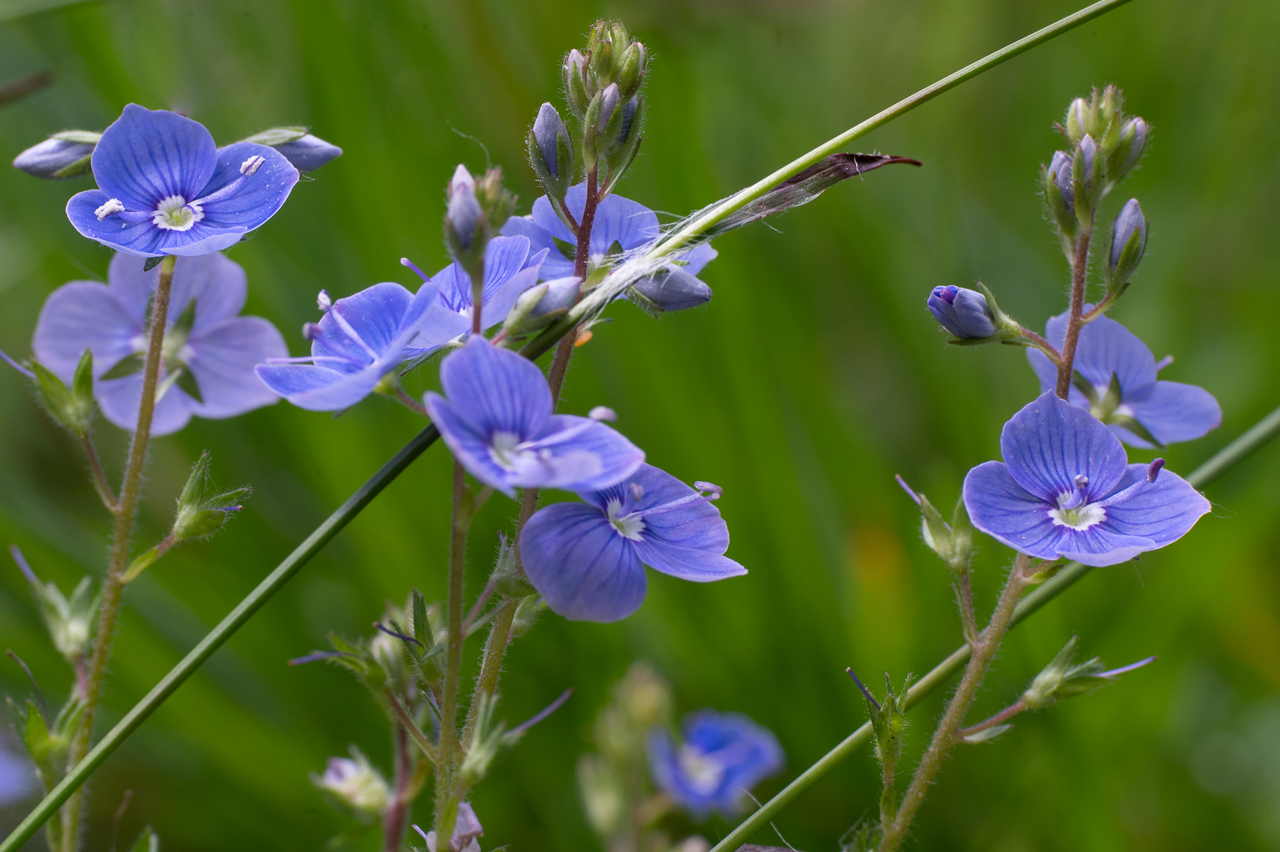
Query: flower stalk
1079	270
121	539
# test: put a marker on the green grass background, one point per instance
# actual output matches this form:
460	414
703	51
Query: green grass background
811	379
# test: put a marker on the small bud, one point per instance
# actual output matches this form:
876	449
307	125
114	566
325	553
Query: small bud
548	130
464	211
673	289
631	70
1109	107
1060	195
71	408
575	78
356	785
69	620
962	312
308	153
538	307
609	99
1077	121
888	719
953	543
508	577
1128	242
1129	147
1086	177
60	157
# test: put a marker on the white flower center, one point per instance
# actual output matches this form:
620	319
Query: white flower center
502	447
1079	518
702	773
629	526
175	214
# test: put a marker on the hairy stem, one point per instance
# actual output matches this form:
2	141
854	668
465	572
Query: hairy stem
945	735
1079	271
450	753
100	483
964	599
1003	716
495	649
121	539
396	819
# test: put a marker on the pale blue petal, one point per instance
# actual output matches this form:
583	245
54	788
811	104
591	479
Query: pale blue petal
1173	412
374	314
146	156
319	388
495	390
217	284
1106	347
616	458
697	257
1050	442
687	563
1163	512
119	399
1005	511
498	303
84	315
469	446
140	239
583	568
222	362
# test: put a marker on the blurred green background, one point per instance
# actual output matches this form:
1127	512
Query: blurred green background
813	377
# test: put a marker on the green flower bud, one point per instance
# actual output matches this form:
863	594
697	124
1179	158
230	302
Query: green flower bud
953	543
71	408
1064	679
69	620
1128	242
203	511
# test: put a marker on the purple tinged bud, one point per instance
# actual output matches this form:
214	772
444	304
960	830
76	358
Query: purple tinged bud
547	129
1077	119
603	412
962	312
673	290
608	103
1060	168
1138	128
1128	242
464	210
561	295
628	118
309	153
1088	160
56	159
1154	470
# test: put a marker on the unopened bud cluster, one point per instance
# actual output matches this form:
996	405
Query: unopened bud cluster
476	212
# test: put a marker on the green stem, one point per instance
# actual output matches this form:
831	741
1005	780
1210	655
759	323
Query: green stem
396	820
121	538
450	752
1260	433
944	736
1004	715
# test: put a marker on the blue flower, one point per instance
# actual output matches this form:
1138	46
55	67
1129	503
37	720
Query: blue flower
1121	388
165	188
509	269
205	342
356	344
965	313
722	757
1065	490
587	559
620	225
496	418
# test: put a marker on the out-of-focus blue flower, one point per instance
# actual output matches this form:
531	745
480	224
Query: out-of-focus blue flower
496	417
587	559
620	224
722	757
205	341
1106	351
165	188
356	784
1065	490
356	344
964	313
16	777
509	269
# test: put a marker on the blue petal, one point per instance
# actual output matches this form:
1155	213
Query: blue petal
1004	510
1050	442
203	238
495	390
687	563
140	239
696	523
319	388
217	284
1106	347
1046	372
84	315
256	199
469	446
1172	412
119	399
375	315
1163	512
498	303
617	219
616	457
222	362
146	156
584	569
698	257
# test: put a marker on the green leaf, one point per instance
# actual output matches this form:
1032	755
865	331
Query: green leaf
141	564
148	841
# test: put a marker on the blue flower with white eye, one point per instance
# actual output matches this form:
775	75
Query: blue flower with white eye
510	268
587	559
165	188
357	344
209	350
722	757
1065	489
497	419
620	225
1120	386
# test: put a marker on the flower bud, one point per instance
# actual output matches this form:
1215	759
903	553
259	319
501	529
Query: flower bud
356	785
200	513
1060	195
308	153
1064	679
1129	147
609	100
962	312
63	155
1128	242
575	79
71	408
1086	177
550	152
631	70
538	307
464	214
69	620
673	289
1077	120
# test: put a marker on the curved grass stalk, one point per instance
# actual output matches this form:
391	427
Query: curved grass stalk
609	289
